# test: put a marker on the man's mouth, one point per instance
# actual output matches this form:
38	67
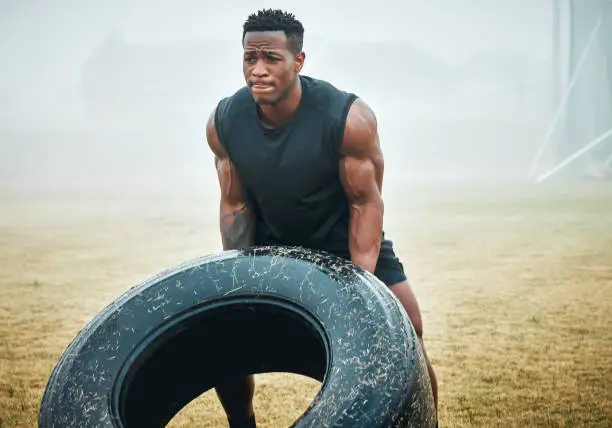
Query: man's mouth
261	86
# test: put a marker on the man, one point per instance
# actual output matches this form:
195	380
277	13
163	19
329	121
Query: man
299	163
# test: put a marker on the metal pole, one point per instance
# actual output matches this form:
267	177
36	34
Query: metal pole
556	57
575	75
608	163
575	156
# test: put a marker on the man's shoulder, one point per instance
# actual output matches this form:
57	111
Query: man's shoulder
229	110
321	83
323	87
236	102
328	98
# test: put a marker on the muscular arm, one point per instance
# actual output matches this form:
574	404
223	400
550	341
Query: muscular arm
237	221
361	174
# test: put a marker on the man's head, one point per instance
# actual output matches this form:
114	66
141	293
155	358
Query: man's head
273	57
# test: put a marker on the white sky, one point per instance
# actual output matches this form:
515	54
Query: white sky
43	43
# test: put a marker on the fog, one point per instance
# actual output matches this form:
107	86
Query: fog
117	93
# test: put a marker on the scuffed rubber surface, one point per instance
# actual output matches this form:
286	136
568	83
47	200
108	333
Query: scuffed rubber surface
375	374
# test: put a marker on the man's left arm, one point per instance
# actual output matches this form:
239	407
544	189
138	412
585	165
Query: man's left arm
361	174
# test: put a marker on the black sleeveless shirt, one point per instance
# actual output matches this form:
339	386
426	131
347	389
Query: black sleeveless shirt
292	172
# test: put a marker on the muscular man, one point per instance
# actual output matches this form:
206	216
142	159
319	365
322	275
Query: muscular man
299	163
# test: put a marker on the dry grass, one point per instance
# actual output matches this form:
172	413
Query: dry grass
515	287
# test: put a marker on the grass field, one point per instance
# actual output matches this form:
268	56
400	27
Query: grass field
515	286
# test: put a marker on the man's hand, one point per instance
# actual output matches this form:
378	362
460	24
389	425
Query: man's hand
236	222
361	174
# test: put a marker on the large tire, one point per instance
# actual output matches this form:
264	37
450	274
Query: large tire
272	309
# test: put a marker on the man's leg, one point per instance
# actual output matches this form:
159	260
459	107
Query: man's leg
236	397
404	293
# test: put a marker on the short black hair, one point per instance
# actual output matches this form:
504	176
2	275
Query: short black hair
277	20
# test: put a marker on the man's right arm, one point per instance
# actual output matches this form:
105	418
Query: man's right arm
237	220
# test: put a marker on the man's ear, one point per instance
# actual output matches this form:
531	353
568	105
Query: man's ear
298	62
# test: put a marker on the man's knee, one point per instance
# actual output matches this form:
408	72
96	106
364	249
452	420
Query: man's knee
405	295
236	395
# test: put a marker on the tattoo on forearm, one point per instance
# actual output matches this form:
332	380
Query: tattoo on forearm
237	229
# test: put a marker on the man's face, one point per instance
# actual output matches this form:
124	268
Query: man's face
269	67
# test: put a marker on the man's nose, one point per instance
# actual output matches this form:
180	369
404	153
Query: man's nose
260	69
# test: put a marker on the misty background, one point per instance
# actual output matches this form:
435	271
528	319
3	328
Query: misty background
117	93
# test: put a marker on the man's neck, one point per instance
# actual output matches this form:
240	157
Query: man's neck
275	115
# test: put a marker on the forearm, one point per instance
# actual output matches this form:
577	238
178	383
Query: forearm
366	233
237	225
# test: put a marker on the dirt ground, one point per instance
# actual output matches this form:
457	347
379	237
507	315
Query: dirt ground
515	286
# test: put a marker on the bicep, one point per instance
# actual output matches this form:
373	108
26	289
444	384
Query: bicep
361	162
231	186
360	178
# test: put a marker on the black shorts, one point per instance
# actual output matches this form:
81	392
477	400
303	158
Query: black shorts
389	269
